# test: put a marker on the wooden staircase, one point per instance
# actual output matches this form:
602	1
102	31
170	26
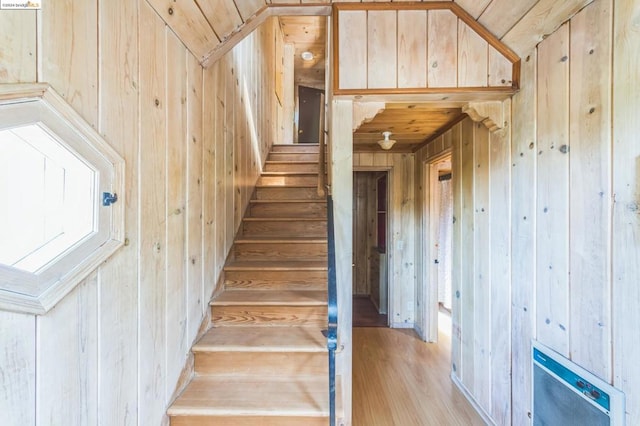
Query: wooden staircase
264	359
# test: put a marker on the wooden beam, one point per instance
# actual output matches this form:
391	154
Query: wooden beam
255	21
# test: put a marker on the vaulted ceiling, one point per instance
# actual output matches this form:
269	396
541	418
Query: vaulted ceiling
210	28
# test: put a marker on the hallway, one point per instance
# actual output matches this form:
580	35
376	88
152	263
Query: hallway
398	380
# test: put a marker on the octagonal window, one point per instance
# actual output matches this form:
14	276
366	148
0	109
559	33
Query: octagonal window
54	173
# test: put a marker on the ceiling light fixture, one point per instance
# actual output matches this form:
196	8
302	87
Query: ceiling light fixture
386	143
306	56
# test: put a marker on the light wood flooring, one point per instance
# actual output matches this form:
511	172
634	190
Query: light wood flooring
398	380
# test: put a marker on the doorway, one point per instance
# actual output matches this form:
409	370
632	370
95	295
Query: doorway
310	107
370	225
439	246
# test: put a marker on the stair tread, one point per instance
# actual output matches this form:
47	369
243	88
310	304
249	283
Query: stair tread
280	265
281	240
288	201
258	186
290	162
289	173
254	396
262	339
270	298
284	219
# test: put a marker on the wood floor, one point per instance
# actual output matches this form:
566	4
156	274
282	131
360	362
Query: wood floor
398	380
365	313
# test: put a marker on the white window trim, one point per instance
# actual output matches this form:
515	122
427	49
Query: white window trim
38	292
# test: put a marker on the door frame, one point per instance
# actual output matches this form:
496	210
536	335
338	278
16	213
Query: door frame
389	290
429	240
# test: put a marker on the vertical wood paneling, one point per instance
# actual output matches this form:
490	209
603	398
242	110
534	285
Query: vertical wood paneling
403	240
152	256
360	249
18	46
229	151
110	352
590	193
500	69
70	394
366	159
69	54
626	220
382	49
352	53
176	259
118	289
500	294
523	250
197	299
18	369
456	244
467	301
442	48
412	48
472	58
341	164
209	179
217	77
552	233
482	309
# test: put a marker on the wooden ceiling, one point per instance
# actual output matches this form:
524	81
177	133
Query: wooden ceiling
307	33
210	28
412	124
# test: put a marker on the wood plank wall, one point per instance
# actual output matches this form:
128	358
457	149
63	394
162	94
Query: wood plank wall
546	240
481	333
415	49
194	142
401	246
575	238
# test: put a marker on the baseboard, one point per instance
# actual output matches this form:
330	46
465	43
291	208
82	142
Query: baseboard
483	414
403	325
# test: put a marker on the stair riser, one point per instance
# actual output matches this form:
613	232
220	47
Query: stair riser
276	280
285	228
288	180
292	210
291	167
264	251
288	193
295	148
284	156
238	316
248	421
261	363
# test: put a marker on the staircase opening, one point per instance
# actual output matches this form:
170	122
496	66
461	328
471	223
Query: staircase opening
304	71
